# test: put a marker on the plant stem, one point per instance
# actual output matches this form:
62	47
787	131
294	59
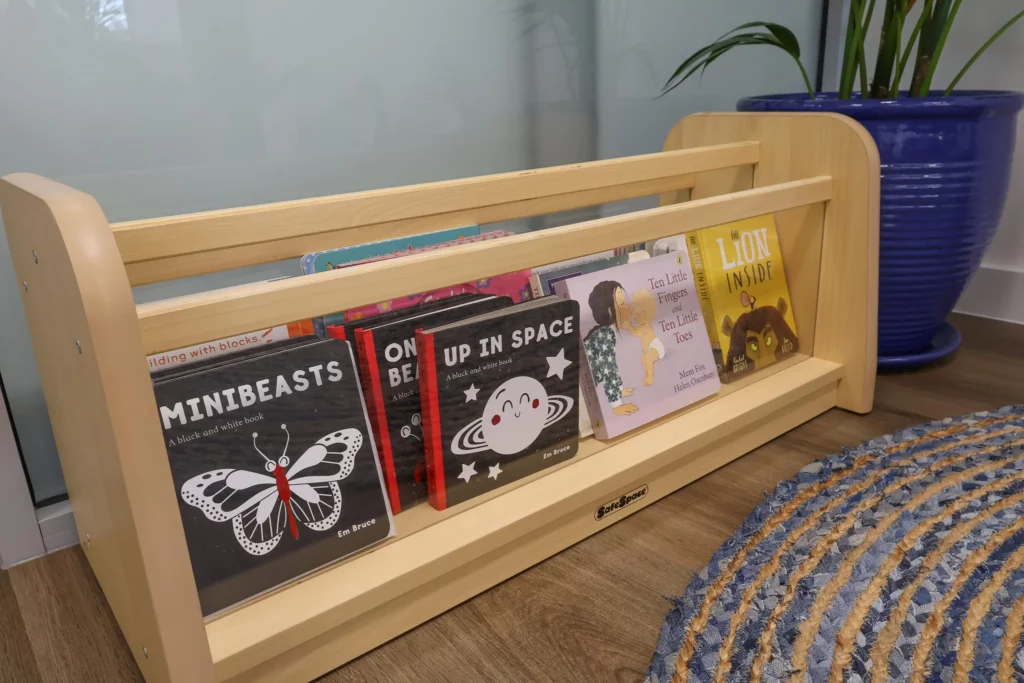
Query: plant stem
901	67
807	80
888	48
984	47
850	51
862	63
944	33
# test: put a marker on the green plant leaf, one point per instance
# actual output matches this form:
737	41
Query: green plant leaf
705	56
786	38
981	50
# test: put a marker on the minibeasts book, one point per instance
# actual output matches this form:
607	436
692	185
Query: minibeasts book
274	467
741	283
645	347
499	394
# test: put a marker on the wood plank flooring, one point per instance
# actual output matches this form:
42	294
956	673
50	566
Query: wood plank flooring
591	613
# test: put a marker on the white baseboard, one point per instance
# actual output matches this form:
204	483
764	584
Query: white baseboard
57	526
995	293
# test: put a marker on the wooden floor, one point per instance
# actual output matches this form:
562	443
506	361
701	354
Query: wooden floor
591	613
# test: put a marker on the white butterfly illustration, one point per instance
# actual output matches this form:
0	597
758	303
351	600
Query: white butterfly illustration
260	506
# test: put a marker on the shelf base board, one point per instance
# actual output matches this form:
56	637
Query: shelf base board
793	397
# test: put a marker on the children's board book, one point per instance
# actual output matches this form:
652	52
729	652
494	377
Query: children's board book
645	345
579	260
741	284
542	284
321	261
347	329
391	377
275	469
221	347
516	286
499	397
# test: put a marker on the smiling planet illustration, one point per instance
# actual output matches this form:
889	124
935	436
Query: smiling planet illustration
514	416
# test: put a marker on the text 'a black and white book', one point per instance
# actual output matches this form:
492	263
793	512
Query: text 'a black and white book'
500	395
274	466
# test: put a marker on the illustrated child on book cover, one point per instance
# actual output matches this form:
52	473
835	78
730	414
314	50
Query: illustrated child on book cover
645	342
644	310
611	312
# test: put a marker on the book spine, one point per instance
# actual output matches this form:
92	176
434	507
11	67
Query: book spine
430	412
707	308
587	388
375	400
535	286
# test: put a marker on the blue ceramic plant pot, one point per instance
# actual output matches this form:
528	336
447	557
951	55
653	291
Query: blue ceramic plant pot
945	174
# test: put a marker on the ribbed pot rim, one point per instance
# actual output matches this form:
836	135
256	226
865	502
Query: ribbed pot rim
960	103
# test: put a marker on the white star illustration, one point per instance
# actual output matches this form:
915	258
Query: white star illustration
471	393
495	471
558	364
468	471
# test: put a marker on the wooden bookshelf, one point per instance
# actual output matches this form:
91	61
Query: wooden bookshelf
818	173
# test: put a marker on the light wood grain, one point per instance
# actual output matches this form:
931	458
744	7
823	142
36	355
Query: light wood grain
100	400
269	627
186	265
798	145
175	323
496	195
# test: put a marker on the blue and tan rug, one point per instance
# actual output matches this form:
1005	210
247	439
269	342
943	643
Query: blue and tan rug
900	560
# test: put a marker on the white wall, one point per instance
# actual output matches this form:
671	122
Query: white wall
159	107
997	291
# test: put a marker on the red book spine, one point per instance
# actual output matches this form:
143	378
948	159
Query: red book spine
431	420
378	418
337	332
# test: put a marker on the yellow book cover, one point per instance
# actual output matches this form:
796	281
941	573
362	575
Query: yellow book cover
741	284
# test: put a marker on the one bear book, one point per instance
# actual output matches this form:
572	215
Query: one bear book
274	467
499	397
741	282
644	340
387	352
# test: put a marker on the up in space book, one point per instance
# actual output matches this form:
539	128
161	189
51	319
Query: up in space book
500	397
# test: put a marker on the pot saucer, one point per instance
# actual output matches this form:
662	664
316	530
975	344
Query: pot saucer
946	341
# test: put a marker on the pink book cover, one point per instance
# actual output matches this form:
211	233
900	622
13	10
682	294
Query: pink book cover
645	342
515	285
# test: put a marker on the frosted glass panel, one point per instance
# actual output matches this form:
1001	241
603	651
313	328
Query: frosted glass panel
161	106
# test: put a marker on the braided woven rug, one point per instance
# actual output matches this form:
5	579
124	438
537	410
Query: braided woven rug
900	560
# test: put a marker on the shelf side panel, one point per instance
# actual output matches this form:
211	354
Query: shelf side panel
100	400
803	145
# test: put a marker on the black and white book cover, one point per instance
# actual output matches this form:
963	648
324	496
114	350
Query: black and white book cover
501	397
349	327
391	378
275	468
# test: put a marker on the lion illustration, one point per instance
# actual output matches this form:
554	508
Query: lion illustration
758	338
